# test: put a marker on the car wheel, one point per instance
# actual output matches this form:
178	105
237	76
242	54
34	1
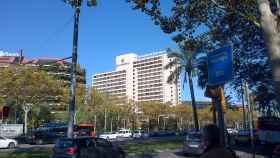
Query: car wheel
11	145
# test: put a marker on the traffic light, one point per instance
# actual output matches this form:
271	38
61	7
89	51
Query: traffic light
5	112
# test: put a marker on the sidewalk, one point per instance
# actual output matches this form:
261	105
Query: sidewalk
177	154
242	154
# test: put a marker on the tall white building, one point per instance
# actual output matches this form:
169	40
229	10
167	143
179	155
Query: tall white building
140	78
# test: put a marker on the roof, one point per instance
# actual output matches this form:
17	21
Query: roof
10	59
47	60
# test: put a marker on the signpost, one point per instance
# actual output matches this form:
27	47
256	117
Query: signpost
220	71
220	66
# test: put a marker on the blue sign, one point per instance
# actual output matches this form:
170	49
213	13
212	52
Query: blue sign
220	66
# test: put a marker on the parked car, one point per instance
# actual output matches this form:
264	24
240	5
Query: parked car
86	147
244	137
125	133
193	144
140	134
7	143
109	135
232	131
45	136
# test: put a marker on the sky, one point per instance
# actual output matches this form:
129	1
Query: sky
44	28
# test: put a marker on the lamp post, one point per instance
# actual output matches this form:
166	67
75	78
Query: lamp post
76	4
26	107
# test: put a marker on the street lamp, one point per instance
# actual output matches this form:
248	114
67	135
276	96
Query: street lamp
76	4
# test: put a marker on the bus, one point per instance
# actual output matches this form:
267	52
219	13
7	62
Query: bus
268	130
85	130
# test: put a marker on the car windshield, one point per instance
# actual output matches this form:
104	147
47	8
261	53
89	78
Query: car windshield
64	143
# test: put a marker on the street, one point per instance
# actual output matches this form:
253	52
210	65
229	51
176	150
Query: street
241	151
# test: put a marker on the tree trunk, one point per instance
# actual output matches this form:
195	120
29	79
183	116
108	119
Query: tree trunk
193	101
272	38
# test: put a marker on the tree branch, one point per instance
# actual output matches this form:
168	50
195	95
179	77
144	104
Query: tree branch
245	16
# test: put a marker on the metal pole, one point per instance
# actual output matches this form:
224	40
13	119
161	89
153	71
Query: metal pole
158	122
164	124
250	118
95	123
221	118
105	121
73	72
214	102
149	125
111	125
243	106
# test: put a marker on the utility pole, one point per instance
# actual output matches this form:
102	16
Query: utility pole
243	105
95	123
105	121
72	99
214	111
76	4
217	94
111	125
221	121
250	109
26	109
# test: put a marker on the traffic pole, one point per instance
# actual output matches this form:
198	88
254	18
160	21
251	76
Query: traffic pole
221	121
72	99
243	105
250	109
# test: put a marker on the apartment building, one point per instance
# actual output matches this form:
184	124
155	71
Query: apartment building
140	78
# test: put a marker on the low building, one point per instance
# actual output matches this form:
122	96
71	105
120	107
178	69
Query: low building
55	67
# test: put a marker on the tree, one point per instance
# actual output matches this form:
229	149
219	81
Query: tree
227	22
183	115
26	86
153	112
182	63
270	25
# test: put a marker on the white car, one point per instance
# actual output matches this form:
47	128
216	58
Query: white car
125	133
109	135
7	143
232	131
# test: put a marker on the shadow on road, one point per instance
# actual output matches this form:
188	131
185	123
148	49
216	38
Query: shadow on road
260	150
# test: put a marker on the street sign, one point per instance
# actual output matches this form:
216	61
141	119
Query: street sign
220	69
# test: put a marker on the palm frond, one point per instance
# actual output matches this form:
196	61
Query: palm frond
185	79
173	63
174	75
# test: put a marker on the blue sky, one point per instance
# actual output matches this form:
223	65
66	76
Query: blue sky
43	28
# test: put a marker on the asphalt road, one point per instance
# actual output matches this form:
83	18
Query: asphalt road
242	151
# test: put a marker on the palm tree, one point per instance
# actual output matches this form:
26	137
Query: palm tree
182	63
